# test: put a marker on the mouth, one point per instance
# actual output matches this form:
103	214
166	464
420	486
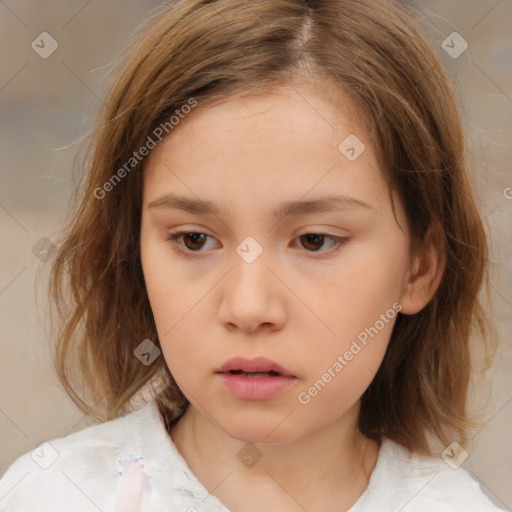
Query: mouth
271	373
255	379
257	367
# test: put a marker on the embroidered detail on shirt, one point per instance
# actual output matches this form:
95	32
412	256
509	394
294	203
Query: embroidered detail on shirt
134	493
129	463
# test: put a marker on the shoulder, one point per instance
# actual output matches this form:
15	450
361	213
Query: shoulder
83	468
422	484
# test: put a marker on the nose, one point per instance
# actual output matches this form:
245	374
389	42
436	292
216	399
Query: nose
253	297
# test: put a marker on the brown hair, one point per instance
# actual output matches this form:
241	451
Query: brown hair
212	50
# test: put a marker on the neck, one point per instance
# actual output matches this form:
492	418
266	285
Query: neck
338	457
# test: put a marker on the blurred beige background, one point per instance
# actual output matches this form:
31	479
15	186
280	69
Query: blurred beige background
47	104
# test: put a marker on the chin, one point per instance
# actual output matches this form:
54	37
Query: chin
260	431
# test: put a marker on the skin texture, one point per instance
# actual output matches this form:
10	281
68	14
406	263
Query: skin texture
298	306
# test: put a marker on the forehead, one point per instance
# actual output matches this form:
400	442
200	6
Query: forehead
286	141
288	107
304	120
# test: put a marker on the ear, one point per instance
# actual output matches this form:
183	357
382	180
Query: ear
426	271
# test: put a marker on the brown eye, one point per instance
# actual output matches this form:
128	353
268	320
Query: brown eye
193	241
185	243
197	240
314	241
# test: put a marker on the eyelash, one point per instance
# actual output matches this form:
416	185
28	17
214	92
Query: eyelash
341	241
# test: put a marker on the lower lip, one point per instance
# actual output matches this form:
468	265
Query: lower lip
256	388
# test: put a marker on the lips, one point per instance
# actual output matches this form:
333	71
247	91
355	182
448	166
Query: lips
257	367
255	379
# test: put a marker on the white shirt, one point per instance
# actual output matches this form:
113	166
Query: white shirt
130	464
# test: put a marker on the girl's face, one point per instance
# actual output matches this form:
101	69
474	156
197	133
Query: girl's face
315	289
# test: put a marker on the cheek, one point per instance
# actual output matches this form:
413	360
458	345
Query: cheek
177	301
162	285
363	287
170	291
380	267
342	372
360	307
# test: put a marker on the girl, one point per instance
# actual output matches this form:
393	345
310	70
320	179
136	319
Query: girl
277	252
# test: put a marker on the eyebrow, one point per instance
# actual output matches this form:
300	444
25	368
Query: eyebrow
322	204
